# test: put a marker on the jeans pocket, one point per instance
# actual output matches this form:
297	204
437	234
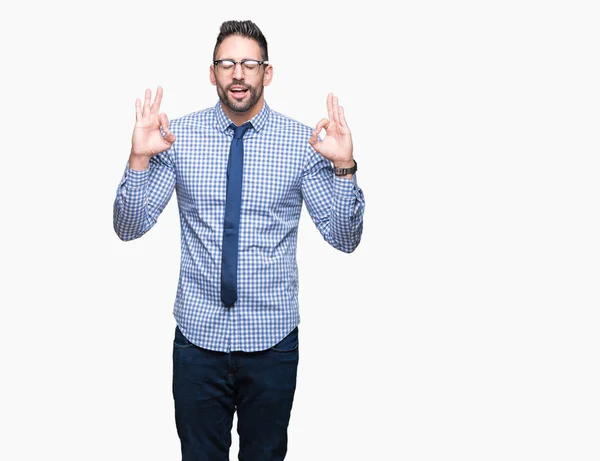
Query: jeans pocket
180	340
287	344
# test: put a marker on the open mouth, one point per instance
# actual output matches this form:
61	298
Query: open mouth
238	92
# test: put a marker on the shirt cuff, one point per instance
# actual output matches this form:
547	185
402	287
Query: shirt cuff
344	187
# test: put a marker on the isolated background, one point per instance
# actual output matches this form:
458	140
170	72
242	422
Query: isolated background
464	327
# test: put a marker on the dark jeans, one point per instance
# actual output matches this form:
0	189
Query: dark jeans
209	386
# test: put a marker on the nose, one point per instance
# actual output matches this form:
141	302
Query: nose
238	73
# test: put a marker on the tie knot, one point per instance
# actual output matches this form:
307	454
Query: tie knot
240	130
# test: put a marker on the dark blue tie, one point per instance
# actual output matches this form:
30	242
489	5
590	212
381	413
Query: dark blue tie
231	226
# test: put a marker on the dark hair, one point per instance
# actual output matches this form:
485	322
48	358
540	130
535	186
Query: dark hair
246	29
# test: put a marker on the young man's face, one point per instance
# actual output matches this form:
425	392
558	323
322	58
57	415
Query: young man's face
238	89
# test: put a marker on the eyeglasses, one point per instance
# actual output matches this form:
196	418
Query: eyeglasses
250	67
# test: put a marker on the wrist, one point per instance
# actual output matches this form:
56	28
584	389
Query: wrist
344	163
138	162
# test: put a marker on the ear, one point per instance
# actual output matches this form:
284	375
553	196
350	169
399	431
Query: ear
212	76
268	76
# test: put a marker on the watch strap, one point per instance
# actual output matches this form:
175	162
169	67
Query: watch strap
345	171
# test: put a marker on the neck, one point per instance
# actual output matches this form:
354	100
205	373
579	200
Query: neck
239	118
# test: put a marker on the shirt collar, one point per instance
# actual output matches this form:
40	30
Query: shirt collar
258	121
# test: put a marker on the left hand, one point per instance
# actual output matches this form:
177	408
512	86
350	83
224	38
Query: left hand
337	144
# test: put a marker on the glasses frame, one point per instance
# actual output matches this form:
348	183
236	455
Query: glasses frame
241	63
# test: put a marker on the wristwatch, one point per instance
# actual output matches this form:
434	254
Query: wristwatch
345	171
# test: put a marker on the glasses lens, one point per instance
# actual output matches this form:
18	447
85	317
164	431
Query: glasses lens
225	67
250	67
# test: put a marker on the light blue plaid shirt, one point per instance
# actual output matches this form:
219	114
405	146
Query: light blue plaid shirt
281	170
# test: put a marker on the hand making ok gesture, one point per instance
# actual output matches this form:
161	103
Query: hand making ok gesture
147	139
337	144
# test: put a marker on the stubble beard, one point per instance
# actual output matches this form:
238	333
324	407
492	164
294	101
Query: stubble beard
242	106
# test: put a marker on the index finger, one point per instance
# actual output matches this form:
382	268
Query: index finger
157	100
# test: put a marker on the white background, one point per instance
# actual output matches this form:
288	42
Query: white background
464	327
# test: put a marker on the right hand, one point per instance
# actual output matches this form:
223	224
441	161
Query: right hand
147	140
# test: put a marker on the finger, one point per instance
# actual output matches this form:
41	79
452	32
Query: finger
147	103
330	106
336	110
164	124
343	119
314	141
157	100
138	109
323	123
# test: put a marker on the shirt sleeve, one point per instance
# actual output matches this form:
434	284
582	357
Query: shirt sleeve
143	195
336	205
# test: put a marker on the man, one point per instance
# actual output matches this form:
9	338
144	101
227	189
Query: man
241	172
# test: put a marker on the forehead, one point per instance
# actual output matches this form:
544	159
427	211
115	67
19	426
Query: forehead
238	47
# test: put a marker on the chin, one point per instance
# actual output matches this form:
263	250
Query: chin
240	109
